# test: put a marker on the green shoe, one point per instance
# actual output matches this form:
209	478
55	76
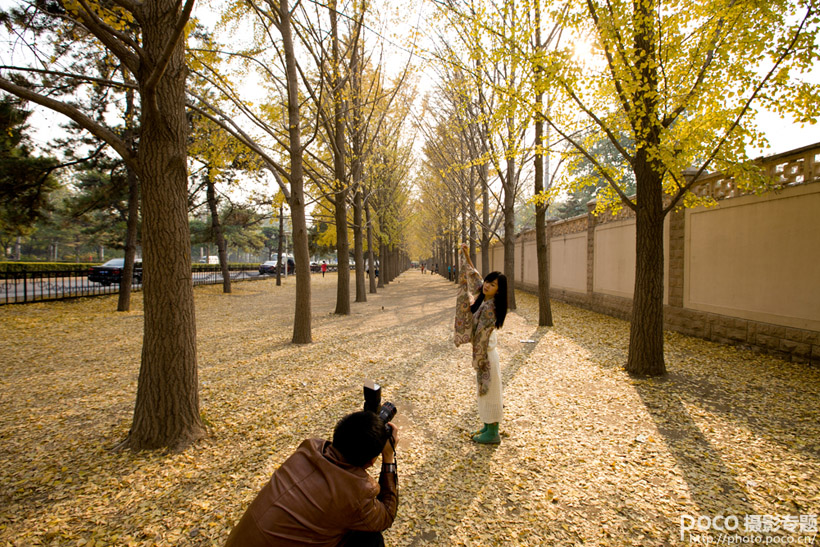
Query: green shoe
490	436
479	431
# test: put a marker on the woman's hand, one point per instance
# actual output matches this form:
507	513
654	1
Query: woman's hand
466	252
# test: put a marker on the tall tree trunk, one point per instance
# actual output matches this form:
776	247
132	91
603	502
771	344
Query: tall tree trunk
385	271
485	221
482	145
382	265
471	214
391	260
281	244
541	236
646	333
370	254
384	250
342	251
541	240
166	413
448	244
453	250
301	253
441	266
358	240
463	238
301	258
356	172
340	184
216	228
132	222
509	233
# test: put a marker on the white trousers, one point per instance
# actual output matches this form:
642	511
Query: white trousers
491	404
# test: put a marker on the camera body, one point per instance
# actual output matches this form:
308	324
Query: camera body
373	403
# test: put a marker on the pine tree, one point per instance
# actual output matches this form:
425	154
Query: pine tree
26	180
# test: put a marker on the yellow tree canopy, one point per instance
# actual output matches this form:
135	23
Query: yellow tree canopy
679	81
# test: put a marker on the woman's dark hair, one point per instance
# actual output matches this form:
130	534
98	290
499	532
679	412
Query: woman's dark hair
360	437
500	298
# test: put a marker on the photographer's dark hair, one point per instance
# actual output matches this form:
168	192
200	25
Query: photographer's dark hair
360	437
500	298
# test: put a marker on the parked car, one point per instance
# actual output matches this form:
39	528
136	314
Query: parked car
111	272
269	267
315	267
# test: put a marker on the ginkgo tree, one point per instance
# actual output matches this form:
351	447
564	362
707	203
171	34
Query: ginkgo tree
456	151
331	54
147	38
215	150
493	51
378	110
271	130
452	142
674	86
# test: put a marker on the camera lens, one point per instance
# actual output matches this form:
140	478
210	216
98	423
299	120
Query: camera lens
387	412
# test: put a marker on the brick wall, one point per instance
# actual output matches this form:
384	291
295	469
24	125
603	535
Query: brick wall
790	343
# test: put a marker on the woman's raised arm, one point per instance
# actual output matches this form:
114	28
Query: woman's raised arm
466	253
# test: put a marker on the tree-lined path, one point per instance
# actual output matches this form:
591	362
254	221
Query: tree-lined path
589	454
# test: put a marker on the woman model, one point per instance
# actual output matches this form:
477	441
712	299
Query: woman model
481	307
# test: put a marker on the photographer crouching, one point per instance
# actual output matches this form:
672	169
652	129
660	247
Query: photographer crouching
323	495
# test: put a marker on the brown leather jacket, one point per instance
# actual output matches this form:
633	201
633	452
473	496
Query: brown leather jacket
314	498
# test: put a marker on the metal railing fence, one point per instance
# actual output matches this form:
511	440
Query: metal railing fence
38	286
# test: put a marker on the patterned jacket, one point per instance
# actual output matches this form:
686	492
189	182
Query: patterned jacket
474	327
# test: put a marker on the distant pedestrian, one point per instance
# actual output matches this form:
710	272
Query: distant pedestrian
324	268
422	269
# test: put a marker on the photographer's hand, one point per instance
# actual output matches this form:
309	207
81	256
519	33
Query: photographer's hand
388	454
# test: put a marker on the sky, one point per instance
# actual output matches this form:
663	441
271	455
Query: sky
783	134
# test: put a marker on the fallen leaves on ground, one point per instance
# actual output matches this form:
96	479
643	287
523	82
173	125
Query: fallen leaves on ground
589	455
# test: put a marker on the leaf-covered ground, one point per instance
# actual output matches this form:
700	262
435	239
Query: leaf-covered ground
589	455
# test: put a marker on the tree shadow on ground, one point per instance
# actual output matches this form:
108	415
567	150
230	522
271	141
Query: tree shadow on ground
463	463
714	487
742	389
767	410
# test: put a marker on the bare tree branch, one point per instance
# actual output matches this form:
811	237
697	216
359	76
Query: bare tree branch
75	114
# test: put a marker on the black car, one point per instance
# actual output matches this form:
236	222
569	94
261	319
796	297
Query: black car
111	272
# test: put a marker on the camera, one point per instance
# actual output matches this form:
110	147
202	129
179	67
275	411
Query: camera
373	403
